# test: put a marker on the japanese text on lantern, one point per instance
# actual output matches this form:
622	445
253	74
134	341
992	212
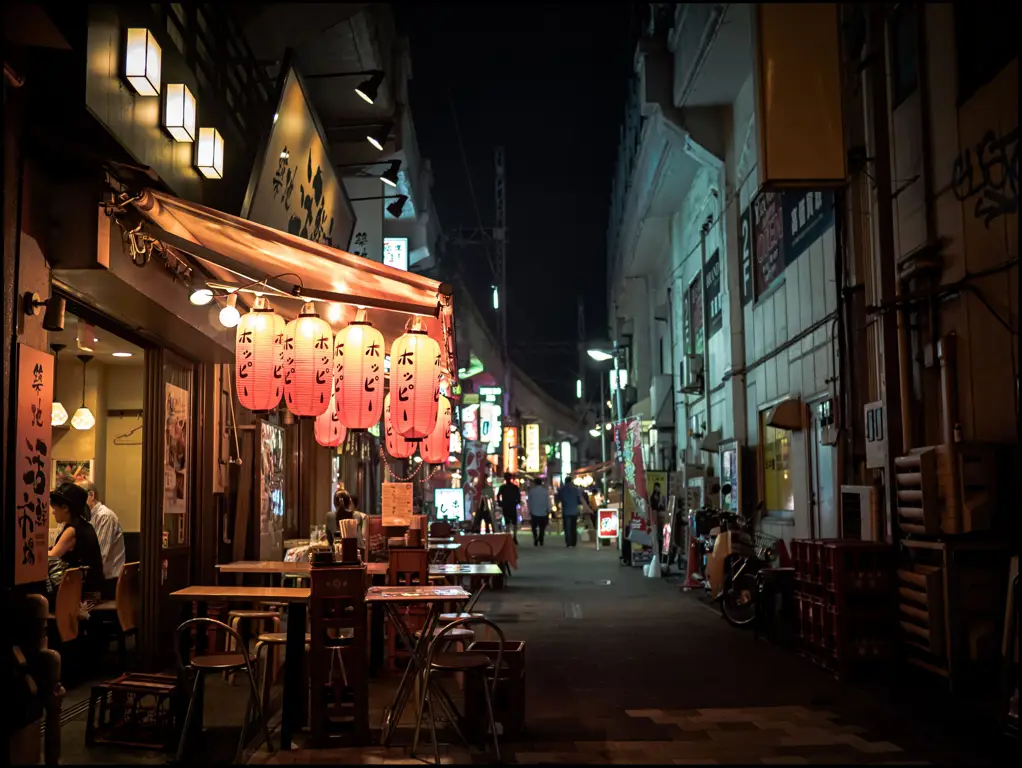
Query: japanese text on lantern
32	485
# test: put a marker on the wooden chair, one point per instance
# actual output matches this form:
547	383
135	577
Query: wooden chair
406	568
441	529
338	616
121	613
67	607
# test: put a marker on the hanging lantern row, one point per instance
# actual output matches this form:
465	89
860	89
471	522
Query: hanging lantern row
436	449
329	431
316	373
397	446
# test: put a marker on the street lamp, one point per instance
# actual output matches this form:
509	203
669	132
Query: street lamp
367	90
394	208
388	177
602	354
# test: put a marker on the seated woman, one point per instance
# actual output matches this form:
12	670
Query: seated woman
344	509
77	545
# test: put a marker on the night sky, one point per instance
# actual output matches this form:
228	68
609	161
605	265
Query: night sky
548	82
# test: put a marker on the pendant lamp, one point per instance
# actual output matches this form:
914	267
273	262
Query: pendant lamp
415	381
358	371
329	431
308	381
398	447
436	449
58	413
83	418
259	358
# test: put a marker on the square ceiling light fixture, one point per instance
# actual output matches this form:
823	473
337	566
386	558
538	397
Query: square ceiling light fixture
209	154
179	113
142	62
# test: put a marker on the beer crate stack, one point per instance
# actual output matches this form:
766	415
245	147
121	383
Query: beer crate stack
845	600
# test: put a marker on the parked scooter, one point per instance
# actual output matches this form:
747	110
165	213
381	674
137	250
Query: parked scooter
737	554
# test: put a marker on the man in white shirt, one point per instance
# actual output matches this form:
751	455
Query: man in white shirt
539	511
109	533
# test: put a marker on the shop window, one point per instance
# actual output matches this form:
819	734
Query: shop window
903	37
778	481
984	43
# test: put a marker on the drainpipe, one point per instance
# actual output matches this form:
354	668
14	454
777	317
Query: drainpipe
950	515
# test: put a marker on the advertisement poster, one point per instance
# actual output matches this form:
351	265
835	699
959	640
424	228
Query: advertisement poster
34	445
714	301
397	504
449	503
271	493
71	472
768	239
807	215
475	474
629	437
608	520
175	469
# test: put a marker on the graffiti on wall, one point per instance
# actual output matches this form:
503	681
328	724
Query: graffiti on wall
989	172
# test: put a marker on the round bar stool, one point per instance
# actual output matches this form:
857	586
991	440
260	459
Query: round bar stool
239	616
219	662
272	642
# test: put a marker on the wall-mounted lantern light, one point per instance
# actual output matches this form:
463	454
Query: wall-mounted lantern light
142	62
209	158
179	113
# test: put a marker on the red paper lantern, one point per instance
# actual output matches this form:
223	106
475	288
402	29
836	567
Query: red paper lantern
398	447
436	449
329	431
259	358
358	373
415	383
308	380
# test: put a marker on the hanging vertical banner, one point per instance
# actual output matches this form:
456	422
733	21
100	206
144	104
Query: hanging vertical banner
31	484
628	435
713	300
532	447
475	474
745	241
511	450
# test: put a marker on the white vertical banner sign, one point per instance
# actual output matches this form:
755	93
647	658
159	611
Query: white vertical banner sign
367	236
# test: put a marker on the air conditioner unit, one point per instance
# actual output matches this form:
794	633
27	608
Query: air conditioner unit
692	375
857	505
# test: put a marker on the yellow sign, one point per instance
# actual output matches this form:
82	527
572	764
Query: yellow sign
532	447
397	504
511	449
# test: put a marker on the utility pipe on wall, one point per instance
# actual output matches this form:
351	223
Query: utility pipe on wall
950	515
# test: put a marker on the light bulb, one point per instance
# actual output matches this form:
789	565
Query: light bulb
201	297
229	315
58	415
83	419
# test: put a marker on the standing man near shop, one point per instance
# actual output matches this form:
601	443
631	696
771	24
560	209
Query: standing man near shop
571	500
111	538
539	510
509	497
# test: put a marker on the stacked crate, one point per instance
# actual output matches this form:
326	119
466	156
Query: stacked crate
844	599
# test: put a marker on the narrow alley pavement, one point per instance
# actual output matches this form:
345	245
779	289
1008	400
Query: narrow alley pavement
624	669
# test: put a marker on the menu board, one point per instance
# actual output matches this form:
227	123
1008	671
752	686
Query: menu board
397	504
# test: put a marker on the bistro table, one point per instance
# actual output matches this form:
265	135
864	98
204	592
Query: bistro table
293	709
442	550
391	598
271	567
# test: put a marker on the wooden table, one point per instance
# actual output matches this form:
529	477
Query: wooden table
439	552
296	599
280	567
391	598
465	569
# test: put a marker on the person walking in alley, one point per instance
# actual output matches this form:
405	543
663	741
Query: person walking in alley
509	497
570	499
539	510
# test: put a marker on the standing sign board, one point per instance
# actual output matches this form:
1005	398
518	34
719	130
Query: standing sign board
449	503
397	504
608	522
34	446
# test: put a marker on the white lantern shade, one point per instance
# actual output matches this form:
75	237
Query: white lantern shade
58	415
358	371
209	153
415	384
329	431
398	447
308	379
142	62
179	113
83	419
259	358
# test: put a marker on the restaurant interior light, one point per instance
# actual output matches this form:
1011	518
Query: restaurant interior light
201	297
229	315
142	62
179	113
600	355
369	89
58	413
389	176
122	354
209	155
83	418
378	136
